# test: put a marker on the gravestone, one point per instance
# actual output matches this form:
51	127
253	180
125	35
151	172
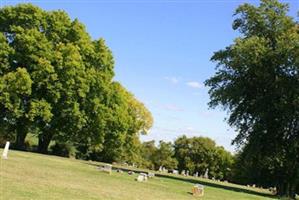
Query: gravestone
195	174
164	170
175	172
183	173
150	175
206	174
273	190
5	152
131	172
198	190
141	177
187	173
160	169
106	168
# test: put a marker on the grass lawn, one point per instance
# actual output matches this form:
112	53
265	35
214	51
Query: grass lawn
41	177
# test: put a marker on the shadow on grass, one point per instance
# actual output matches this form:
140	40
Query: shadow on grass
219	186
194	181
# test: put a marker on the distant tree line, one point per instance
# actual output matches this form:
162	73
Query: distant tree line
195	155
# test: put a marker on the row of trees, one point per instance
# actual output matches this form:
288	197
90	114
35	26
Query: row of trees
196	154
257	81
56	83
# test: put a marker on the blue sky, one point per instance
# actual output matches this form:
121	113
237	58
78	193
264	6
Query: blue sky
162	50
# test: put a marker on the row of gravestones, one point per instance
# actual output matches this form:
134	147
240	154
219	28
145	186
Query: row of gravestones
196	174
141	177
144	177
197	190
185	172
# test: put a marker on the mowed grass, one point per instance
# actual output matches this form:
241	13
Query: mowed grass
34	176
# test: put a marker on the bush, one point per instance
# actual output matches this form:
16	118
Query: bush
63	149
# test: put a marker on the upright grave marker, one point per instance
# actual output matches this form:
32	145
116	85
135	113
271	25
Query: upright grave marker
106	168
198	190
5	152
206	174
141	177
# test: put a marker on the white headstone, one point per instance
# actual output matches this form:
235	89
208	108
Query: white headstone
150	175
5	152
206	174
106	168
160	169
183	173
141	177
164	169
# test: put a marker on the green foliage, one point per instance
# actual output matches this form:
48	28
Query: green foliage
153	157
197	154
57	83
164	156
257	82
148	151
63	149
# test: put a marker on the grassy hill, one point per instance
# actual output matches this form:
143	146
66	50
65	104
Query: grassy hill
35	176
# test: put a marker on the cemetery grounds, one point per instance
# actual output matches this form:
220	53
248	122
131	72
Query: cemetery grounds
30	176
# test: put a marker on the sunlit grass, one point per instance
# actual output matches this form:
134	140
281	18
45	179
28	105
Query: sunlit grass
34	176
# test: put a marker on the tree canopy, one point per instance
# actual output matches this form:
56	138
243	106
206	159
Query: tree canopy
257	81
56	82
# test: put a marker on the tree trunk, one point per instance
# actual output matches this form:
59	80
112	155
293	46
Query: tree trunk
43	142
286	190
22	131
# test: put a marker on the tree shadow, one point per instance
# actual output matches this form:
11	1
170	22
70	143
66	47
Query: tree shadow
215	185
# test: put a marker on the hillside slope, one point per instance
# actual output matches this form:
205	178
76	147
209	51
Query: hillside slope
33	176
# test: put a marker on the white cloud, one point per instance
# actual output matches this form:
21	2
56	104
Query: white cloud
173	80
190	131
172	107
195	84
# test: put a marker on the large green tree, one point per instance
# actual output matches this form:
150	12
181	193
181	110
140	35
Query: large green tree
57	83
58	61
122	120
129	118
257	81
